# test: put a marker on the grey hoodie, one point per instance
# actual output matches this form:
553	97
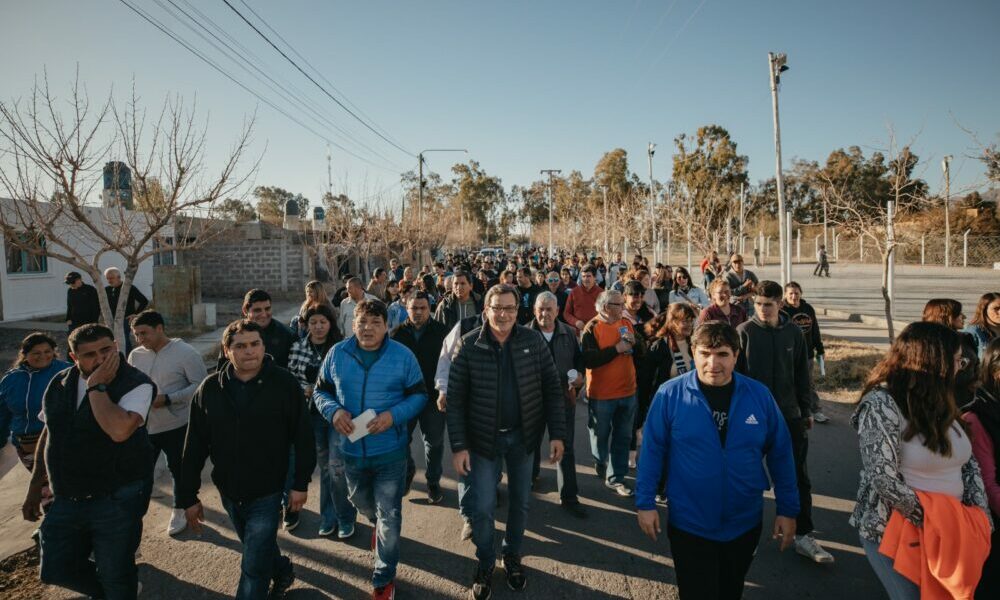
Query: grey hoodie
778	358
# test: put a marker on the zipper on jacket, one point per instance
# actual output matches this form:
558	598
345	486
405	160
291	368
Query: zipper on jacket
27	404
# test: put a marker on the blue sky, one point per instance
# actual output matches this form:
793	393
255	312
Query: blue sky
536	85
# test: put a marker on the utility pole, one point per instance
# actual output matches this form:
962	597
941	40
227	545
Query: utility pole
946	165
650	151
743	216
604	192
550	173
776	63
890	230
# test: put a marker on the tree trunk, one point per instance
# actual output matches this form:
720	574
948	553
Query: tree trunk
885	294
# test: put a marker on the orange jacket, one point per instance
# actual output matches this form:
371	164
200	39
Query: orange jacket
944	557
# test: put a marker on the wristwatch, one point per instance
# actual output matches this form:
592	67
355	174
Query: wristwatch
100	387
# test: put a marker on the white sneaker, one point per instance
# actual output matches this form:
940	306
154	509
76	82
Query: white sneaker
178	522
466	531
819	417
807	546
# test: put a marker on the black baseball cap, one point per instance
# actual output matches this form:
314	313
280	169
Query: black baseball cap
72	276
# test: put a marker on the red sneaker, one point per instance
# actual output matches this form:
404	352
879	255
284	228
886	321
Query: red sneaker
386	592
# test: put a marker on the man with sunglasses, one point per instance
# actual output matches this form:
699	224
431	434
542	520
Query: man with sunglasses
503	390
742	282
554	284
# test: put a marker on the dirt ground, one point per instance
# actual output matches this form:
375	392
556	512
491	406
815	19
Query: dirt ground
19	577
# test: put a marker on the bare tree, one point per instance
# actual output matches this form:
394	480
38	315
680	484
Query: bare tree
864	212
55	150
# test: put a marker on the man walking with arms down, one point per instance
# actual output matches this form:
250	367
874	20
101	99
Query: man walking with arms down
367	373
709	431
503	389
246	418
177	369
775	354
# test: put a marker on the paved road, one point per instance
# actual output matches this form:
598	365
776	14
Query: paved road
856	288
605	556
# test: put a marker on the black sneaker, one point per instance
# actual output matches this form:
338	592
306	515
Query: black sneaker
574	508
514	572
482	585
434	494
281	582
602	470
291	520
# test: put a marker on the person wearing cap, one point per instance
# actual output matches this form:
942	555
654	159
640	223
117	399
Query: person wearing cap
82	305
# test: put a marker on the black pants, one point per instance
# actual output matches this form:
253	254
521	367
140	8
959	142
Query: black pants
800	450
170	443
710	570
989	582
566	474
821	267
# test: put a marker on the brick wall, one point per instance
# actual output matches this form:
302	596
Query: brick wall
251	256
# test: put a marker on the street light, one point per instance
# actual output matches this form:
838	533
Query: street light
421	183
777	65
650	151
550	173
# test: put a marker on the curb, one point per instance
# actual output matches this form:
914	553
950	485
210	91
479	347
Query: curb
853	317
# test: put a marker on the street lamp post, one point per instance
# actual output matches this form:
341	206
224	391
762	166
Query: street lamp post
653	230
550	173
421	183
776	63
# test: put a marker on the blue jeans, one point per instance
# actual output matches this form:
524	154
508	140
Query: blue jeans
484	479
432	423
610	423
375	487
256	524
110	527
896	586
334	507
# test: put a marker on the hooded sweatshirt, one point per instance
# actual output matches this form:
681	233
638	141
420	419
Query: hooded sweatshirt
778	358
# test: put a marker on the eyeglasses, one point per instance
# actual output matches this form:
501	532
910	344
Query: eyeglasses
615	304
504	309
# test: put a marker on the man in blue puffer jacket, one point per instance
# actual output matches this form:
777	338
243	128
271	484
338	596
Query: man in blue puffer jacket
371	371
708	432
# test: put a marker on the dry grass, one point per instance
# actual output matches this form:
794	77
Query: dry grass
847	368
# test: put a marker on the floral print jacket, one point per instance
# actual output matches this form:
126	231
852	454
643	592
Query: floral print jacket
882	488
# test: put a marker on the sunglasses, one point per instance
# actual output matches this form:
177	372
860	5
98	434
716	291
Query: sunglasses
552	280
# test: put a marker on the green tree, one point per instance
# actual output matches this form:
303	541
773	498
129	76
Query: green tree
240	211
271	203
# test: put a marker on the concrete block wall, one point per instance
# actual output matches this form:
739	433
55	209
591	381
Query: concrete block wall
232	264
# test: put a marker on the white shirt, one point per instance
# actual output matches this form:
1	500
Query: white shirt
137	401
928	471
444	359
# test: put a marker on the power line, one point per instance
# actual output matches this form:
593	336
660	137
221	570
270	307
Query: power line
166	30
310	78
314	69
318	117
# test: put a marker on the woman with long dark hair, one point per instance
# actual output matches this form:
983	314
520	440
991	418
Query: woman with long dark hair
684	290
948	312
21	391
985	323
668	354
304	361
912	440
983	418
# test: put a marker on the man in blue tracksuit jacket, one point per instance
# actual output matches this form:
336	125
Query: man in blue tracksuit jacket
371	371
708	432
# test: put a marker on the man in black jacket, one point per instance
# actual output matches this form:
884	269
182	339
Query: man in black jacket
424	337
503	390
246	418
134	304
774	353
565	348
460	304
527	291
99	464
82	305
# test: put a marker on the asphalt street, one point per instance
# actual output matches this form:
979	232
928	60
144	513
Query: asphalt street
604	556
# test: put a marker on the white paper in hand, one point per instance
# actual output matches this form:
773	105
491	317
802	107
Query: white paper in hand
361	425
822	365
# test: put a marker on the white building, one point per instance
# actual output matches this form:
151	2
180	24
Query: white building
33	286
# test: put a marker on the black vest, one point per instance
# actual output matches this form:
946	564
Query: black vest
82	459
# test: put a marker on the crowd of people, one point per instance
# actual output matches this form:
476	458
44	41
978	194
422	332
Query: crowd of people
706	395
